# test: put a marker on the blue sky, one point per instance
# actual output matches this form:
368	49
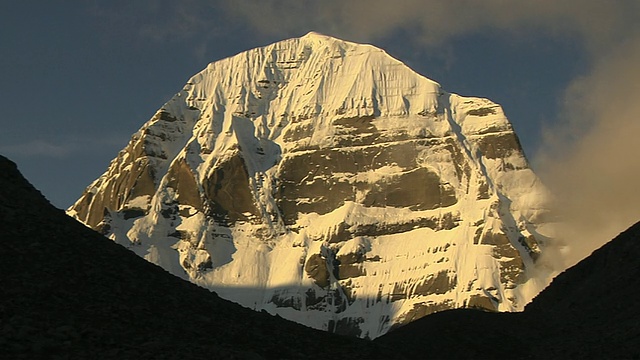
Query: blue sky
79	78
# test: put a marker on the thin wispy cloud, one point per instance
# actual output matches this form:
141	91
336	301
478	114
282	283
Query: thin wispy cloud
162	21
437	21
37	148
64	147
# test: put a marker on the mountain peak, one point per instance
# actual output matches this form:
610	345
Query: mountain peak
317	38
324	76
317	35
327	182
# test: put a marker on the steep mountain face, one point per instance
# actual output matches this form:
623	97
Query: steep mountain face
327	182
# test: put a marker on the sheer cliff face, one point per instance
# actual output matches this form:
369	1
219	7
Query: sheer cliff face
329	183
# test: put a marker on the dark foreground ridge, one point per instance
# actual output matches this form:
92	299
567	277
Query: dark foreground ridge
589	311
68	292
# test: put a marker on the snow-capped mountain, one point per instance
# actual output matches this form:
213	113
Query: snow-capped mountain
329	183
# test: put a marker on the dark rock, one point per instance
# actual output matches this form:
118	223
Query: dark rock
228	193
481	112
499	145
316	268
418	189
182	179
133	213
439	283
346	326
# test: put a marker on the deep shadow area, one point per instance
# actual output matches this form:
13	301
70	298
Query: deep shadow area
67	292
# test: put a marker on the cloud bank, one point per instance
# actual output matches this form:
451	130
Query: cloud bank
592	157
437	21
62	147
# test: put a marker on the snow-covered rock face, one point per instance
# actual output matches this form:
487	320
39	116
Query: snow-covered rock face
327	182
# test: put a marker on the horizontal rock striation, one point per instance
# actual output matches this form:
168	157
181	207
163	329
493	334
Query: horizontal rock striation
327	182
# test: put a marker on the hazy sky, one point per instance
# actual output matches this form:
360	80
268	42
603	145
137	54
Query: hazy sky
78	79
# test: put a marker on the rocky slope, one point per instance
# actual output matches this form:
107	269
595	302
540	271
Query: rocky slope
69	293
327	182
587	312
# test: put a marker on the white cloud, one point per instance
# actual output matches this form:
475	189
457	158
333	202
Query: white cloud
591	160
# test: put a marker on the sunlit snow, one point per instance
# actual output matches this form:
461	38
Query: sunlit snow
248	104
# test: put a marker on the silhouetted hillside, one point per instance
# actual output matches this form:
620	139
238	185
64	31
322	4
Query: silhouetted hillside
68	292
590	310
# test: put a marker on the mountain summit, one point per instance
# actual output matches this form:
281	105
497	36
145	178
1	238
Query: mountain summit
327	182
